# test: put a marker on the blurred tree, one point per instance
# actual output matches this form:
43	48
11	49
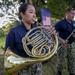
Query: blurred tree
56	7
1	32
8	26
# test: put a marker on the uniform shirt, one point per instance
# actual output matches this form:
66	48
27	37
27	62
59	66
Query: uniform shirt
14	39
64	28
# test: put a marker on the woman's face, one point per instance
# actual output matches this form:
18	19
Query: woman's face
30	15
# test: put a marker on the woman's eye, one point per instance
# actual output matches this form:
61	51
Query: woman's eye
31	12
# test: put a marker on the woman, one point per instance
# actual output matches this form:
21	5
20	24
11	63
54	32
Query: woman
27	15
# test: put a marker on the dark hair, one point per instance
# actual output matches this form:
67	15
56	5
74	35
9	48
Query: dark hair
69	9
23	8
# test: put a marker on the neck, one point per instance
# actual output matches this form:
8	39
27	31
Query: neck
28	26
69	20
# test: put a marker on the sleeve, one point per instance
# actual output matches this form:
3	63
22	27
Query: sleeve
10	39
57	26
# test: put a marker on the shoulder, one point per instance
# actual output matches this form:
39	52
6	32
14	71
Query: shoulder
14	29
61	22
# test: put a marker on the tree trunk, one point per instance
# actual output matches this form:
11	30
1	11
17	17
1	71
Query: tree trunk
29	1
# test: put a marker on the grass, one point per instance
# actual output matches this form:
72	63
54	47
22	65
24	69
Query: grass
2	41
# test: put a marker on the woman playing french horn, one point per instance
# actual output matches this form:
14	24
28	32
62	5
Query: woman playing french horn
27	15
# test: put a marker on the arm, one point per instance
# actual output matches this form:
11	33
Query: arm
10	39
58	27
62	41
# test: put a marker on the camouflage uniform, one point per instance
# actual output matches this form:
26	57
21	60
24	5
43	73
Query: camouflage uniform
68	53
35	69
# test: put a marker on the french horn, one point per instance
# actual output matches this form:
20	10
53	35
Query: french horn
42	45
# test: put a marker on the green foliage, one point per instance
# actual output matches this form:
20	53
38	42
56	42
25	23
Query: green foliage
56	7
2	42
15	23
70	3
2	47
1	32
9	26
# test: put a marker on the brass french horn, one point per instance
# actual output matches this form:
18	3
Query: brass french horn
42	45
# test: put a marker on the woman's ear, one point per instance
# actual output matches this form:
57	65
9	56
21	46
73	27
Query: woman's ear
21	14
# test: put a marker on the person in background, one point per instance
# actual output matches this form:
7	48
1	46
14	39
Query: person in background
64	28
27	15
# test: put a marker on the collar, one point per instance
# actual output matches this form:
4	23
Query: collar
22	24
67	21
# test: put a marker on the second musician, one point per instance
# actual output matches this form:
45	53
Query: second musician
65	28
